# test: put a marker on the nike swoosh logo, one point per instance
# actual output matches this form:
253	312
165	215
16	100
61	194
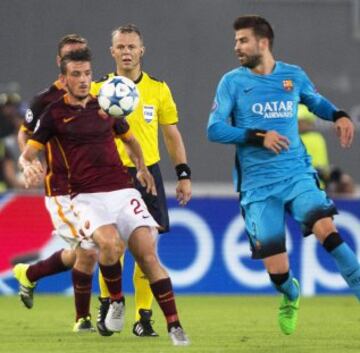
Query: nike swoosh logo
144	217
67	120
247	90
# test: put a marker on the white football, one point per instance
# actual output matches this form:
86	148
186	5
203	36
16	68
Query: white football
118	96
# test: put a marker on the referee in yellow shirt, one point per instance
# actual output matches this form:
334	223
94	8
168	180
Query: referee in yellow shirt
156	109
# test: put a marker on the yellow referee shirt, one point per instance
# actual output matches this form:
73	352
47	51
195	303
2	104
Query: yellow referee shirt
315	145
156	107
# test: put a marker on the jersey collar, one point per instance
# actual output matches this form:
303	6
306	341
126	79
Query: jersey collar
135	81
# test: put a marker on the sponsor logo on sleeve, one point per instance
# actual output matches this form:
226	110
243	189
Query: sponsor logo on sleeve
214	106
29	116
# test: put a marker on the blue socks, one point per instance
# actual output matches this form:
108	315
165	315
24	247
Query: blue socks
345	260
348	265
284	284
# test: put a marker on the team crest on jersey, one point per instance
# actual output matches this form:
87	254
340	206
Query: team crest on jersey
288	85
149	113
29	116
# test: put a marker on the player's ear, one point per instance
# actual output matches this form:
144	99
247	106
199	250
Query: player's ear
58	60
142	51
111	51
264	43
62	79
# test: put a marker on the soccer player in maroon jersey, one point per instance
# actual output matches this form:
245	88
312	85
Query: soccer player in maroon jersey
58	203
57	200
112	213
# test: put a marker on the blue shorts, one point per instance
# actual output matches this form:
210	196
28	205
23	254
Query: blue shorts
157	205
264	211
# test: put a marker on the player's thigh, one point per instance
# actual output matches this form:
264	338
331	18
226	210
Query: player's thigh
93	210
142	243
265	226
310	206
63	216
132	213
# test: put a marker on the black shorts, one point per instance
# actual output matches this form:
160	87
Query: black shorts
156	205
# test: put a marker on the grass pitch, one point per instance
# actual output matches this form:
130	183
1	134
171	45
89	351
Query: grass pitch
215	324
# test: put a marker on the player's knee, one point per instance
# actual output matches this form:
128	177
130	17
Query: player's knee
323	227
68	257
148	261
92	255
85	260
112	247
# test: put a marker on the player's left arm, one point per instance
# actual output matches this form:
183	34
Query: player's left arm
345	130
176	149
326	110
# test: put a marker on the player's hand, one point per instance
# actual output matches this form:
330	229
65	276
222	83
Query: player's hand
345	131
146	180
183	191
276	142
33	173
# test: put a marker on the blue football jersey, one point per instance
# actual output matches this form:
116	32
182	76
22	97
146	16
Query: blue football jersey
247	101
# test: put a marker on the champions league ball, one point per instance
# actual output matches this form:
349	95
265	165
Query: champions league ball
118	96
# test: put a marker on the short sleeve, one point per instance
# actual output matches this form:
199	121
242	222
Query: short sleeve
168	114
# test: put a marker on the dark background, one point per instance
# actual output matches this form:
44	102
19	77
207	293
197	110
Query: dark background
190	45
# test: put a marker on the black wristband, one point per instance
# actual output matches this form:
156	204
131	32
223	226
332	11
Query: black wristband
340	114
256	137
183	171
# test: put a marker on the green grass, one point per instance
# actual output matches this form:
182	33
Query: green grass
214	324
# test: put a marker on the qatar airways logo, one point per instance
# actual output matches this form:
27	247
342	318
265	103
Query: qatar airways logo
274	109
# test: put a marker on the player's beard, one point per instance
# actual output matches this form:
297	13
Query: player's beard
251	61
77	96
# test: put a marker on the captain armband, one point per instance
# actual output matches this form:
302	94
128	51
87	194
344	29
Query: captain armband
340	114
183	171
255	137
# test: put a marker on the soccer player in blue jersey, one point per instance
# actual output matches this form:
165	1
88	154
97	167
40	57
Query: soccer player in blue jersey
255	108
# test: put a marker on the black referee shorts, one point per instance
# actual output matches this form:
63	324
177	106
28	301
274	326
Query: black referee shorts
156	205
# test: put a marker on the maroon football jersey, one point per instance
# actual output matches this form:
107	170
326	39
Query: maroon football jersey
56	181
85	137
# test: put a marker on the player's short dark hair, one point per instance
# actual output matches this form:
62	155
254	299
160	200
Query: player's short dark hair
72	38
81	55
129	28
259	25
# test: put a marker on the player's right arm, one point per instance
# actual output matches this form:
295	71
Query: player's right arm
220	130
133	148
28	162
31	167
22	137
32	116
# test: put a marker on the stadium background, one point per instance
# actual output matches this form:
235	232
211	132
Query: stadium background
190	45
